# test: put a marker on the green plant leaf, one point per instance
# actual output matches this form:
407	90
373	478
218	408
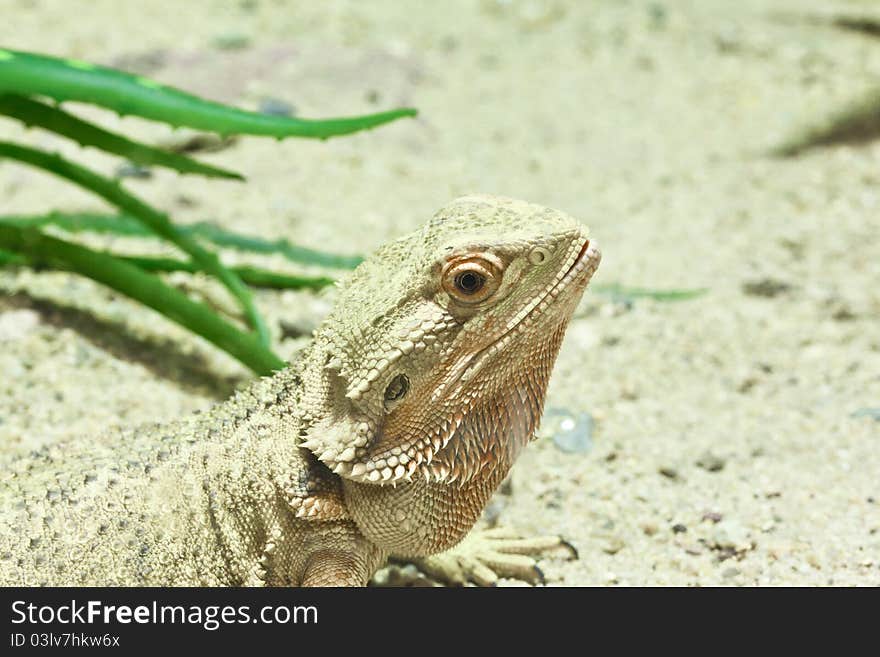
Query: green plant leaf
621	292
8	258
113	193
128	226
251	275
31	74
292	252
34	113
148	289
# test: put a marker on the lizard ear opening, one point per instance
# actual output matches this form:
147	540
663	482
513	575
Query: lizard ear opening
396	391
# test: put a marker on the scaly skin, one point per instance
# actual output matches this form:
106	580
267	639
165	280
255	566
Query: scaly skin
387	438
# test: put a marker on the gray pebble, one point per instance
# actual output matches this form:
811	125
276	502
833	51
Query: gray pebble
613	545
18	324
572	434
188	141
766	287
873	413
132	170
494	509
276	107
730	535
713	516
711	462
668	471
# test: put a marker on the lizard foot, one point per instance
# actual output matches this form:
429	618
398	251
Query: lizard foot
486	555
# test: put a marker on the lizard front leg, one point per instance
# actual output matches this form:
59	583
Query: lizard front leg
340	557
335	568
486	555
323	550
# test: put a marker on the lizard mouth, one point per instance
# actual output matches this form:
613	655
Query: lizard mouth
582	268
585	263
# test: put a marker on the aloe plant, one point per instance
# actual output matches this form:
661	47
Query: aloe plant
27	79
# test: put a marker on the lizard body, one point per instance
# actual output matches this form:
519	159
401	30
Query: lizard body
385	438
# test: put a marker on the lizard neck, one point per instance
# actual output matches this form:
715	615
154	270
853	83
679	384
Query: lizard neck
419	518
425	516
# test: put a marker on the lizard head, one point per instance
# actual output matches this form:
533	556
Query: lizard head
435	360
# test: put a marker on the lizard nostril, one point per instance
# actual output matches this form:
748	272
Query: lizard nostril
538	255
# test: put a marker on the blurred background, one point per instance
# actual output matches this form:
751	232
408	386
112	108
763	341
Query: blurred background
732	438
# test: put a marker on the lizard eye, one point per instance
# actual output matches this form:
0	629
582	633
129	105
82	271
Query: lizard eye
469	282
471	279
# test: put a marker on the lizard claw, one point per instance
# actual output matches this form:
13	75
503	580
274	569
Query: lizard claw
485	556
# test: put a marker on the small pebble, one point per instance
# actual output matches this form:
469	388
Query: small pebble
494	509
613	545
679	529
693	549
17	324
188	141
711	462
141	63
132	170
276	107
572	434
629	392
730	535
765	287
185	201
649	528
231	41
873	413
841	312
399	576
657	15
297	327
669	472
713	516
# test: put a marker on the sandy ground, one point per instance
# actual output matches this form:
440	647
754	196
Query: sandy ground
728	446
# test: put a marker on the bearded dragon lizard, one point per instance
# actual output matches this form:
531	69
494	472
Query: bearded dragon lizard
387	437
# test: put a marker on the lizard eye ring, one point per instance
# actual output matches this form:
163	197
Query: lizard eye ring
471	279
